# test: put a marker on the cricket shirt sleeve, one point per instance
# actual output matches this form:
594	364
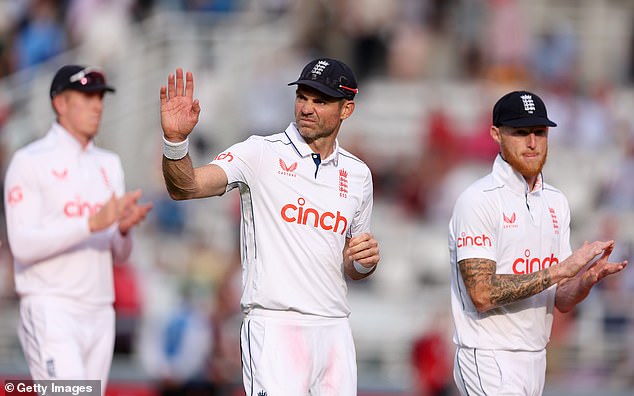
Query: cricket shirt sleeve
361	221
241	161
473	228
33	234
565	250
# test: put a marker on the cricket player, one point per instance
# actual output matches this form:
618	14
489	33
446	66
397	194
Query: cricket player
511	260
306	206
68	218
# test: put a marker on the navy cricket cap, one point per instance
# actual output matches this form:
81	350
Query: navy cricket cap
521	109
79	78
330	77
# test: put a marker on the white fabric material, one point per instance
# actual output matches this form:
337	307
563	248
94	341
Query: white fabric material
65	339
289	354
496	218
175	151
361	268
481	372
52	186
296	217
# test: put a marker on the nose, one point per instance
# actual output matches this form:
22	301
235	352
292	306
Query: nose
307	107
96	101
531	140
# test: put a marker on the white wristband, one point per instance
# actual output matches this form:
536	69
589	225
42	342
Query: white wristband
175	151
362	269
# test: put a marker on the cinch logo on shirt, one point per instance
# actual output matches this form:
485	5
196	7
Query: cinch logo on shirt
300	214
79	208
465	240
228	156
528	264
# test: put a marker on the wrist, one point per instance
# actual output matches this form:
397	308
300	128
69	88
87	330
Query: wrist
362	269
556	274
175	151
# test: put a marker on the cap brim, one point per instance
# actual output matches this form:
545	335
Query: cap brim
326	90
529	122
94	88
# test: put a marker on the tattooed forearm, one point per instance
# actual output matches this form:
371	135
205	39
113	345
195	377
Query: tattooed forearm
489	290
510	288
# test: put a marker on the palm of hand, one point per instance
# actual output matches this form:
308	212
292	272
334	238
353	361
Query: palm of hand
178	117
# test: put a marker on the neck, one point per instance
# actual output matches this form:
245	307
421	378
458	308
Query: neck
323	146
83	140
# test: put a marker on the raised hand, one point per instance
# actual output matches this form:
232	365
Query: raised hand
179	111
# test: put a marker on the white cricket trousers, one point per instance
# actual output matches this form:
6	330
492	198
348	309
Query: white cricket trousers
65	339
480	372
290	354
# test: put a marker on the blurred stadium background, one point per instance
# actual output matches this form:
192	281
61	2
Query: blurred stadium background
429	72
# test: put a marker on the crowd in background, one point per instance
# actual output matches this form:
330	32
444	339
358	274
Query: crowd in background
187	340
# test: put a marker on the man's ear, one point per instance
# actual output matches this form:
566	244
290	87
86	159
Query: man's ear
495	133
348	109
58	103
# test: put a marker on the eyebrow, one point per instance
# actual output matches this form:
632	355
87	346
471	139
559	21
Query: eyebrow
525	130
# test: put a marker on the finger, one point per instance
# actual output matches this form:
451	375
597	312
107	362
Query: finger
136	194
597	248
355	246
359	239
196	107
189	87
361	246
170	86
372	259
180	84
606	253
365	253
126	203
163	95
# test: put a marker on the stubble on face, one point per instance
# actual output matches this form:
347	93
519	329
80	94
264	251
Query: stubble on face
313	131
316	116
529	163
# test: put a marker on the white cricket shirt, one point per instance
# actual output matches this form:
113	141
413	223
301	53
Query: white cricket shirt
51	188
296	214
497	218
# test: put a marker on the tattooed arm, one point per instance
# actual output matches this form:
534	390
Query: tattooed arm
489	290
